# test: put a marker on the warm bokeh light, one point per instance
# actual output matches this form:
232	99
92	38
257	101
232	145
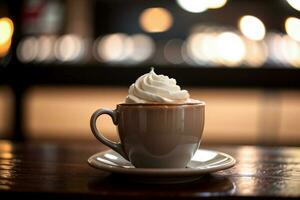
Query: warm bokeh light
186	55
283	50
256	53
291	51
143	47
6	32
194	51
4	48
45	48
215	4
208	48
198	6
292	27
275	53
155	20
123	49
193	6
252	27
27	49
212	47
111	47
201	48
230	48
68	48
295	4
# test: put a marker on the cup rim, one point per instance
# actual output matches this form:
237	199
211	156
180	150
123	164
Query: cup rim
201	103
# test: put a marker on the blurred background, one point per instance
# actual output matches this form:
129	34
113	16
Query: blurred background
60	60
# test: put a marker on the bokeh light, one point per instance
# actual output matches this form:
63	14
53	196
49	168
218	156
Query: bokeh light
294	3
123	49
187	58
198	6
193	6
256	53
215	4
292	27
201	48
27	49
291	51
230	48
4	48
172	51
275	50
111	47
68	48
143	47
209	49
45	48
194	48
155	20
252	27
6	32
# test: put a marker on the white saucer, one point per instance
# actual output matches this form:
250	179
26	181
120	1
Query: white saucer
203	162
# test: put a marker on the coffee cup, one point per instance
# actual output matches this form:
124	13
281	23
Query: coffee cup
155	135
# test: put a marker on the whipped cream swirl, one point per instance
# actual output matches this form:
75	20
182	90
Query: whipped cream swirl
153	88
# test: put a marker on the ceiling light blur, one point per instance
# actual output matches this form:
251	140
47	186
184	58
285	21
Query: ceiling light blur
230	48
154	20
193	6
294	3
215	4
252	27
292	27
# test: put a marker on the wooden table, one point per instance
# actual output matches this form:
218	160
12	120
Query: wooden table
56	171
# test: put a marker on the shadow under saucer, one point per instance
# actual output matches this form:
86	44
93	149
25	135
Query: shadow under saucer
207	185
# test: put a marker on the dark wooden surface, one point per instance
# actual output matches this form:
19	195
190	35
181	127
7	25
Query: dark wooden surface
56	171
